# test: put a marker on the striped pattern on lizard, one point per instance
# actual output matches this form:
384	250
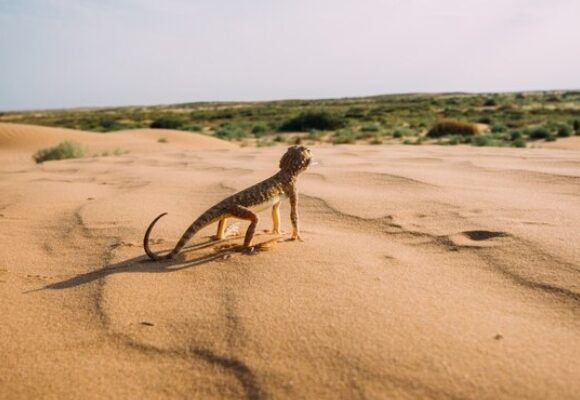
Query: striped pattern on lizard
244	204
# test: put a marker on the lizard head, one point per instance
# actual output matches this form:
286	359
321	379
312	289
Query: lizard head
296	159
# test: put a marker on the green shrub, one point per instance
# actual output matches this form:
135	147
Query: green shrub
482	140
370	128
455	139
305	121
402	132
485	120
576	125
264	142
446	127
515	135
564	131
539	133
110	124
231	132
192	128
497	127
167	122
260	129
314	135
519	142
63	150
490	102
344	136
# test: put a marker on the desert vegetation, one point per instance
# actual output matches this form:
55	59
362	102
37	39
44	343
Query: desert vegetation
63	150
491	119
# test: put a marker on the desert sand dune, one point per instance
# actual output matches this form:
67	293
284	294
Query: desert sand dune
426	272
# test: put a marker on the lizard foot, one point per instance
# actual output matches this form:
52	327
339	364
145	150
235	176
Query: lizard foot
249	250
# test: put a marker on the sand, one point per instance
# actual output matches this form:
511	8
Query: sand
425	272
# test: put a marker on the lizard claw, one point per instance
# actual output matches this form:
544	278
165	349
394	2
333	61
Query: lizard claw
296	237
249	250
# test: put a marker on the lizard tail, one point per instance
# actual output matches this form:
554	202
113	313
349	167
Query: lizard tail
150	253
192	230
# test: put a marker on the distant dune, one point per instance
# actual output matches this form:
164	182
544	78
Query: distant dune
426	272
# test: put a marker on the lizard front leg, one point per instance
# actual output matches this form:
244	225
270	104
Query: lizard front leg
276	219
293	196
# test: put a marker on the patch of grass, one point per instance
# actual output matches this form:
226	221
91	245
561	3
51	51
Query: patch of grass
370	128
376	140
481	141
63	150
265	142
515	135
497	127
192	128
231	132
345	136
402	132
260	129
446	127
519	142
162	140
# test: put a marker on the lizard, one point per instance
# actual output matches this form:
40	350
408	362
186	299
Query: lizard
246	203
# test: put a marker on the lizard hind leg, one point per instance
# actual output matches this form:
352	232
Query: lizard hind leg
245	213
220	234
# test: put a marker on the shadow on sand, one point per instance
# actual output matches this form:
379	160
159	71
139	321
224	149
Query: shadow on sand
144	264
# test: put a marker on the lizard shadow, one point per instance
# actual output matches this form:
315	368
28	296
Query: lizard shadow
143	264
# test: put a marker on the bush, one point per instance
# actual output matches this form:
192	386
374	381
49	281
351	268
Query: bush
519	142
192	128
305	121
539	133
564	131
167	122
457	139
370	128
314	135
110	124
490	102
259	130
576	125
481	141
446	127
344	136
497	127
231	132
61	151
485	120
515	135
402	132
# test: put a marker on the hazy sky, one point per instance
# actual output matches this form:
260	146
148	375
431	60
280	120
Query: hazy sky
70	53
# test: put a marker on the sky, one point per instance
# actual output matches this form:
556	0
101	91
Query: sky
83	53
